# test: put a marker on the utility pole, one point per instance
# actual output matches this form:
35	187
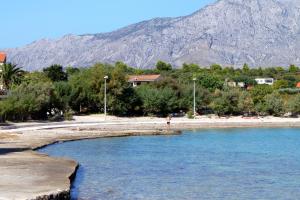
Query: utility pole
105	98
194	79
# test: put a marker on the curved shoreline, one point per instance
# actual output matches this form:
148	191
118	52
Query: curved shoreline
53	177
39	176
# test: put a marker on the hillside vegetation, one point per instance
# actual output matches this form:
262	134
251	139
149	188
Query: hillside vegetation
57	93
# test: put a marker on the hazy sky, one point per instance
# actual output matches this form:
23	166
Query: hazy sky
27	20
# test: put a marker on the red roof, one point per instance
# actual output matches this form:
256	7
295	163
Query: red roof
298	85
2	57
144	78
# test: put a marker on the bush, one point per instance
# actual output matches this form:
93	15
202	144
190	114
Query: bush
158	101
274	104
226	103
190	115
293	105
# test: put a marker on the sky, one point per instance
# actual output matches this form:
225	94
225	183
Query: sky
28	20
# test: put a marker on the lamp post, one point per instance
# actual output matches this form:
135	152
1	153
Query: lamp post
105	99
194	79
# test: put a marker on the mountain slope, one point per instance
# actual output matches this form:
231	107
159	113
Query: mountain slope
229	32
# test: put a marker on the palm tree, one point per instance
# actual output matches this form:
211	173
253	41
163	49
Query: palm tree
10	74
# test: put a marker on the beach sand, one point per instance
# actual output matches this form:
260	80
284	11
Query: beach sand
30	175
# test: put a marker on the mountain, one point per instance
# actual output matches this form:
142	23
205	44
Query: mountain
228	32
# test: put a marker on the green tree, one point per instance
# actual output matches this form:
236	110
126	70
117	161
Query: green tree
293	69
216	68
293	105
245	103
209	81
56	73
226	103
162	66
280	84
156	101
186	101
72	70
28	101
11	74
259	92
274	104
190	68
246	68
122	98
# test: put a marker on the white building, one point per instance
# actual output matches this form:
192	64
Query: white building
265	81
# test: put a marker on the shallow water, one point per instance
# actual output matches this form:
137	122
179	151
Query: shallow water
205	164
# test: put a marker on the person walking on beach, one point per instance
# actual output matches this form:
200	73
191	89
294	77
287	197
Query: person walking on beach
169	121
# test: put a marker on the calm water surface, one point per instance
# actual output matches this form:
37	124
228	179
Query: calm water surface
207	164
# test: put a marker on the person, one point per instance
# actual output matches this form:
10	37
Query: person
169	121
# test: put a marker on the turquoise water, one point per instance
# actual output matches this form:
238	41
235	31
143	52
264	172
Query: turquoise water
206	164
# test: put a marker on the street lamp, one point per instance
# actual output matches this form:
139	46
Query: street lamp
105	99
194	79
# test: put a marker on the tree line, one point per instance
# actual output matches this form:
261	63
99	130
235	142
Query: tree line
58	93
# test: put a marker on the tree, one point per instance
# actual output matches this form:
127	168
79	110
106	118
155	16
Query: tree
11	74
226	103
56	73
186	101
216	68
72	70
293	105
245	103
259	92
161	102
280	84
246	68
122	98
274	104
28	101
162	66
293	69
210	81
190	67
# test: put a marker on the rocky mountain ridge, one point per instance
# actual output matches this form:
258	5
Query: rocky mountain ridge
228	32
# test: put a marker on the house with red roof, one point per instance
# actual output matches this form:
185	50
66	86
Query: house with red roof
2	61
2	58
136	80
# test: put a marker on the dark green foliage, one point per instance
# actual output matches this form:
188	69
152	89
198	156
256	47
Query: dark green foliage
28	101
280	84
162	66
293	105
293	69
122	98
56	73
54	94
209	81
274	104
158	101
72	70
245	103
226	102
259	92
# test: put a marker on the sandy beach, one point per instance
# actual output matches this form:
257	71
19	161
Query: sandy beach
30	175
